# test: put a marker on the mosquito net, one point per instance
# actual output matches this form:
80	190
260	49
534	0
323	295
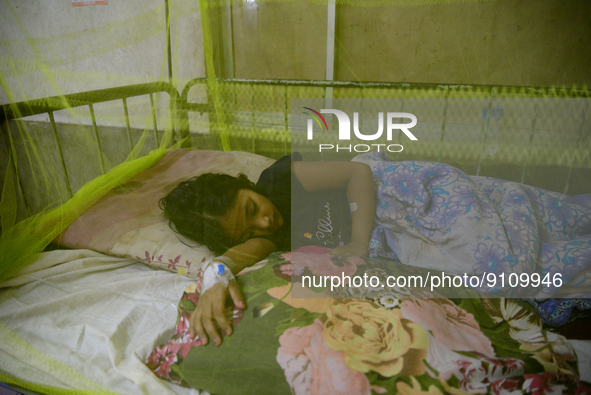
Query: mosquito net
94	92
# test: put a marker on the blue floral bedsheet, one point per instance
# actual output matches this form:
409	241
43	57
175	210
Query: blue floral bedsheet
435	216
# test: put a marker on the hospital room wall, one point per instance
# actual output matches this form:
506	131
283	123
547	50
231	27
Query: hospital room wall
510	42
54	47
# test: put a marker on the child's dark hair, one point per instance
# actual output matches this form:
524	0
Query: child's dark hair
195	207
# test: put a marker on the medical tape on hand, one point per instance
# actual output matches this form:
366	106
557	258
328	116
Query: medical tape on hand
227	261
215	273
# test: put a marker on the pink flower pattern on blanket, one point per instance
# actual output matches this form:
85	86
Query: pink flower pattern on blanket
162	358
322	264
451	325
177	348
312	368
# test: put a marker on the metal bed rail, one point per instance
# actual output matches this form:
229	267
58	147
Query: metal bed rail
50	105
244	120
335	89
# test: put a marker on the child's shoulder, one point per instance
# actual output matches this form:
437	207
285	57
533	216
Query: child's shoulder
280	170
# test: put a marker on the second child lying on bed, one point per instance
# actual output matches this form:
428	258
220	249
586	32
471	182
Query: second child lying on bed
333	205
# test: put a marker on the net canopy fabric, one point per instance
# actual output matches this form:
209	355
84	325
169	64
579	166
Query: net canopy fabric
499	92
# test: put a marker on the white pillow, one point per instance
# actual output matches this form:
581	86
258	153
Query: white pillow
128	222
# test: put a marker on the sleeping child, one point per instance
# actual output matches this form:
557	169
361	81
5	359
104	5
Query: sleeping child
425	214
334	203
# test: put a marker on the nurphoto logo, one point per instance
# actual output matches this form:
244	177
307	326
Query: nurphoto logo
392	119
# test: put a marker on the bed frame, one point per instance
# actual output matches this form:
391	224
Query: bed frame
260	124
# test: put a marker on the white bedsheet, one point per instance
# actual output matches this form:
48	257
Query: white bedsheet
80	319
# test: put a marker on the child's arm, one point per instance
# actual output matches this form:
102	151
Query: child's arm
250	252
212	304
358	179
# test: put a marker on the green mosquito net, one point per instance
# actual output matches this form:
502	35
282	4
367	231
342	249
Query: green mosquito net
94	92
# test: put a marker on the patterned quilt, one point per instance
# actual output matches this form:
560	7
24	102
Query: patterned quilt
376	344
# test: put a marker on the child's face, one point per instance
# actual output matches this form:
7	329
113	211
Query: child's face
251	215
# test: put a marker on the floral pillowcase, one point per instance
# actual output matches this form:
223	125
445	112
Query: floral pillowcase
380	342
128	222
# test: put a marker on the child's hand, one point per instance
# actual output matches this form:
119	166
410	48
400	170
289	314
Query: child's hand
210	310
353	248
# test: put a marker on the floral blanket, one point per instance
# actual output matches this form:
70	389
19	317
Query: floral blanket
432	215
383	343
